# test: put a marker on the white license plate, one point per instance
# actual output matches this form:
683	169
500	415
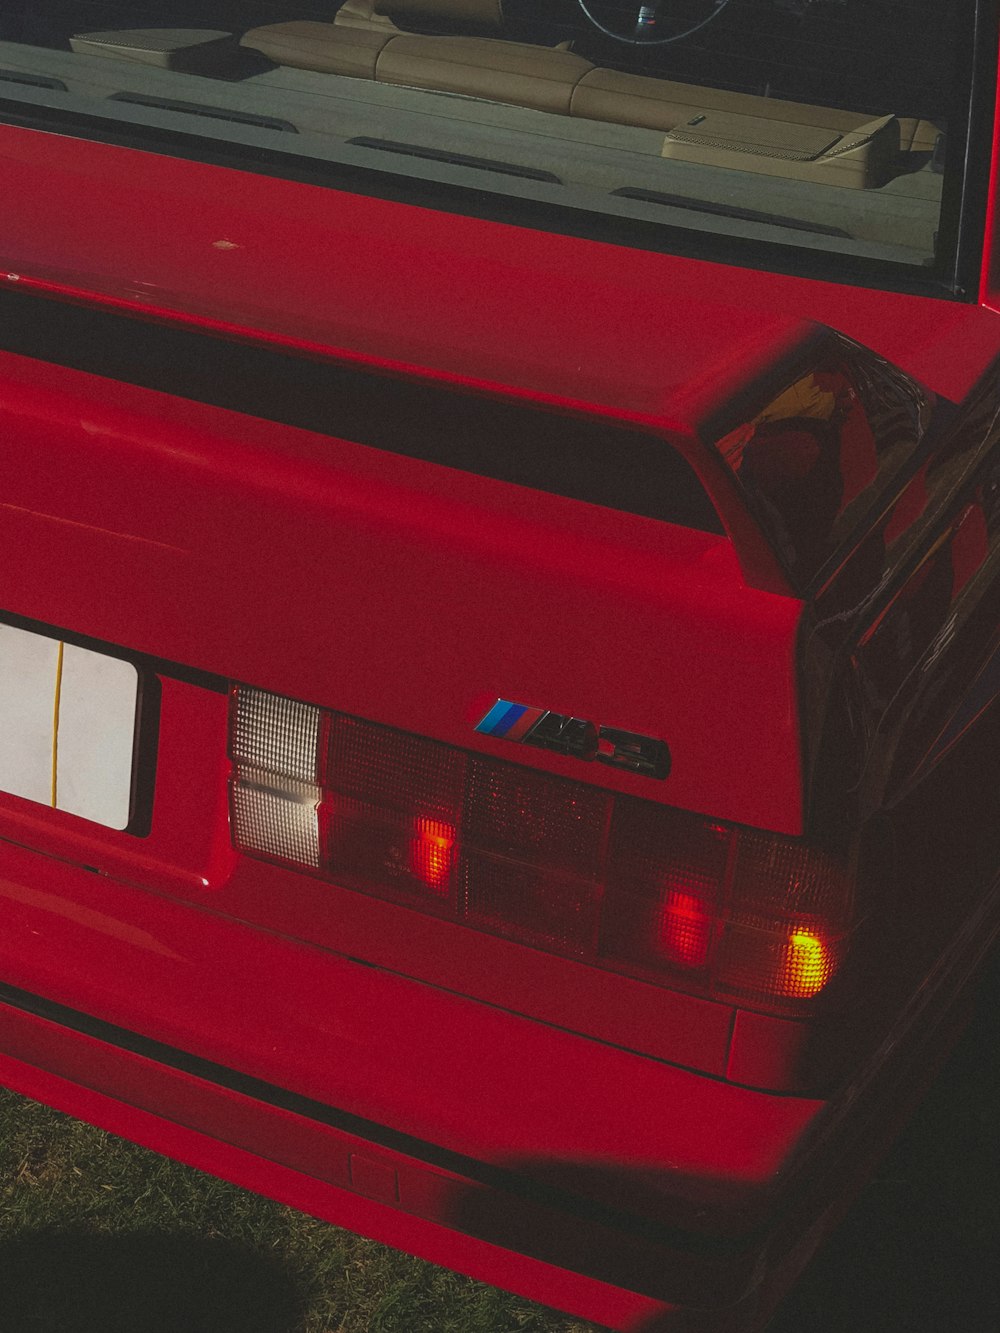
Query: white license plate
67	726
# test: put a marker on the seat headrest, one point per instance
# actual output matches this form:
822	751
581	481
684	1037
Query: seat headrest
464	15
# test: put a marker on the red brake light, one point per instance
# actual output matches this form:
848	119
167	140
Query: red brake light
685	929
573	869
431	854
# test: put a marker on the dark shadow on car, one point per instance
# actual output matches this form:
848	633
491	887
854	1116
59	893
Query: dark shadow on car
920	1250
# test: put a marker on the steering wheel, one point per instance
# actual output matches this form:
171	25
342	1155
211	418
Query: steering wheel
647	21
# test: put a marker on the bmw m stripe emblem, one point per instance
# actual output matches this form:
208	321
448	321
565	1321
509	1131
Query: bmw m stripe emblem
576	737
511	721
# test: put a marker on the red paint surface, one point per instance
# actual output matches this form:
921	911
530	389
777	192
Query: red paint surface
547	315
989	286
192	1138
371	1042
330	572
636	1135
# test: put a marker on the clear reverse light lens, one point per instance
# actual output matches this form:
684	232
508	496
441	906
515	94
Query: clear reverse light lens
274	792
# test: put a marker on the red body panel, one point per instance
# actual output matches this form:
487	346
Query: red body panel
327	571
551	317
610	1146
377	1045
343	1202
989	284
173	1128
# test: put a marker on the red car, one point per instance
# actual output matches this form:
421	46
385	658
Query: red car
500	530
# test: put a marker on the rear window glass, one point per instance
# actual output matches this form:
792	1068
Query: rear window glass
835	127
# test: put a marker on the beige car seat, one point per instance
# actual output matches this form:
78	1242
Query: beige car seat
367	40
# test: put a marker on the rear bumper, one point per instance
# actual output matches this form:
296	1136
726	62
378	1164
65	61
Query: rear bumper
315	1167
609	1184
492	1224
217	1010
172	998
512	1228
604	1183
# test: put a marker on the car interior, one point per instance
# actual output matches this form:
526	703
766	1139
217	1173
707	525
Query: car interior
756	117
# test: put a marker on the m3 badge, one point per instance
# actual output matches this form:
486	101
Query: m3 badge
576	737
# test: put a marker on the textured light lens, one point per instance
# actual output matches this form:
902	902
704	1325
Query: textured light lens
685	933
274	796
808	964
431	854
282	824
666	877
790	913
275	735
563	866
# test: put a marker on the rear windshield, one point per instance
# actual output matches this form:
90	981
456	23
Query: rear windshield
824	128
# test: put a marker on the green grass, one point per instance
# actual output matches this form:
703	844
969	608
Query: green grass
96	1234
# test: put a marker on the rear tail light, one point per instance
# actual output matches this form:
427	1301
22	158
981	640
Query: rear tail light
611	880
275	800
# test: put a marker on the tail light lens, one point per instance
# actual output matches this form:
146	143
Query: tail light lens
275	797
611	880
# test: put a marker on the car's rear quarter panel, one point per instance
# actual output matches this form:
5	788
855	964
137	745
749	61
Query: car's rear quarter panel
212	546
215	546
392	589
